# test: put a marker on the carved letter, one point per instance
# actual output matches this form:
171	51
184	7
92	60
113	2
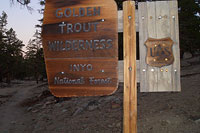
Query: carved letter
58	13
69	28
97	11
89	12
77	29
89	67
68	45
84	27
109	44
95	26
81	12
74	13
75	45
69	12
51	46
96	44
82	67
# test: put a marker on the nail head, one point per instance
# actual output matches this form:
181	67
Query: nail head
143	17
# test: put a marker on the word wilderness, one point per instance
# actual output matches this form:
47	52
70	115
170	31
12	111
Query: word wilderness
80	45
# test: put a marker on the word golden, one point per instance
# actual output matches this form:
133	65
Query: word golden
80	12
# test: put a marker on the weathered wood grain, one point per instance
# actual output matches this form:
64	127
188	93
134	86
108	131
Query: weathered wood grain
76	68
121	71
156	21
77	34
130	85
142	38
159	52
120	21
174	26
163	30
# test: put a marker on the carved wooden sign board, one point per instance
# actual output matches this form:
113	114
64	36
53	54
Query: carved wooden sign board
159	52
80	41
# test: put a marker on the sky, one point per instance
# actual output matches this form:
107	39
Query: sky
20	19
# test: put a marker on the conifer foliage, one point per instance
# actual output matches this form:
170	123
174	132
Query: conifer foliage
11	54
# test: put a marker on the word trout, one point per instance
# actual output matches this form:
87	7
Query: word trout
78	27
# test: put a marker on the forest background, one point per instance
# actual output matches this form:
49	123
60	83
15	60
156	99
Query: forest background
29	65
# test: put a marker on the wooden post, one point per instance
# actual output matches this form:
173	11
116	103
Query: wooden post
130	85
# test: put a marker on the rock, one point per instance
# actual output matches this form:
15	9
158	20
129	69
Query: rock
37	105
80	109
194	59
197	121
185	64
118	124
51	98
13	122
109	98
44	106
115	105
92	107
34	111
187	55
165	122
64	110
39	95
110	126
48	102
58	105
29	109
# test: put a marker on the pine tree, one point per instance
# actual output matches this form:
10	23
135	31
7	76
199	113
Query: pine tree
10	50
189	25
35	58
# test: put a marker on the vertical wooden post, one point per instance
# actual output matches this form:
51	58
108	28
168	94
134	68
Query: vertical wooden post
130	85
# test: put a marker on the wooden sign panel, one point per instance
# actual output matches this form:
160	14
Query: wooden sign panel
159	52
80	41
159	19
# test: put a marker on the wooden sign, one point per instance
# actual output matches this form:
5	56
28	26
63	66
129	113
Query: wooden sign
80	41
159	19
159	52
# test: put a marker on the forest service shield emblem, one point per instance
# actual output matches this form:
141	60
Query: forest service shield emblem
159	52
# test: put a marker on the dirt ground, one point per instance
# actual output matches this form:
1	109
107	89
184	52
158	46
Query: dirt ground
26	107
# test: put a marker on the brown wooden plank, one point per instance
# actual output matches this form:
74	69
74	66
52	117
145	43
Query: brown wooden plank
162	31
174	26
106	50
58	44
121	71
120	20
143	36
77	68
130	86
80	43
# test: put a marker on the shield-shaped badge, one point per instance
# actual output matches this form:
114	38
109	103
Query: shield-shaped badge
159	52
